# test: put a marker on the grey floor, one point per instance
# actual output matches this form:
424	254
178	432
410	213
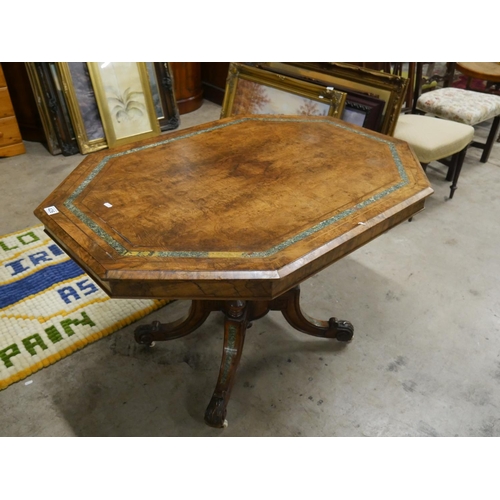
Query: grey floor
425	360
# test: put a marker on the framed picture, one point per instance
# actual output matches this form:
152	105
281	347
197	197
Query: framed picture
360	109
391	89
43	110
50	93
125	102
365	111
162	90
82	106
58	107
252	90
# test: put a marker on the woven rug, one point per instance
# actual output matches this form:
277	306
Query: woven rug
49	307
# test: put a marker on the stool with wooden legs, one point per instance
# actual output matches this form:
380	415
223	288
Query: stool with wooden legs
466	106
434	139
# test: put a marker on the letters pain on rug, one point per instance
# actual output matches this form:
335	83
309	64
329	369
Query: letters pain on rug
49	307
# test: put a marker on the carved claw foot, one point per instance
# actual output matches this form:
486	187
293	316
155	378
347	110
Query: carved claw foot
344	329
289	305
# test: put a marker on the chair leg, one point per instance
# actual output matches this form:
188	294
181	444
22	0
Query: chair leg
451	167
460	157
491	139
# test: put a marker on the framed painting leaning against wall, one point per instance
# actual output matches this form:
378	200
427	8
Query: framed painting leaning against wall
391	89
125	101
53	108
82	106
253	91
43	109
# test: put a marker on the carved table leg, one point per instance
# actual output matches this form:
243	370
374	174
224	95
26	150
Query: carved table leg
234	336
238	316
289	305
198	313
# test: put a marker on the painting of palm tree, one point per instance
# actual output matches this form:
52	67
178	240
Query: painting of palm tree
124	99
126	105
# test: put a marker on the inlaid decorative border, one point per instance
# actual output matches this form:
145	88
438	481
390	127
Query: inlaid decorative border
120	249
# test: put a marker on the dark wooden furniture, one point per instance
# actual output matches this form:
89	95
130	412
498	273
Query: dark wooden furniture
188	90
233	215
11	143
23	100
213	79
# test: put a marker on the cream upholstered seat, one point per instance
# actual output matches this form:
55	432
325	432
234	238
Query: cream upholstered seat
464	106
434	139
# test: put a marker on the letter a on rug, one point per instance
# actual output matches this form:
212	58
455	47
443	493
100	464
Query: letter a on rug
49	307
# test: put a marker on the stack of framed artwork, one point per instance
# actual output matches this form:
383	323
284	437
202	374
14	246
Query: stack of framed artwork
254	90
88	106
371	99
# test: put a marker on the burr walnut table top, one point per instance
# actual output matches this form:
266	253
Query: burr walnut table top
240	208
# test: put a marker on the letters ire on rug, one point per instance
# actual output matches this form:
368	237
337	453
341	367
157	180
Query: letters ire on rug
49	307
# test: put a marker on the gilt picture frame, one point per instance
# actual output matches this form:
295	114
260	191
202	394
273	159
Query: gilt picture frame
384	86
125	101
251	90
82	106
360	109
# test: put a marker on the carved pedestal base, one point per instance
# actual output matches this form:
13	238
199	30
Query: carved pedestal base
238	315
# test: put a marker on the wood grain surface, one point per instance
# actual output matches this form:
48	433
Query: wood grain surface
243	207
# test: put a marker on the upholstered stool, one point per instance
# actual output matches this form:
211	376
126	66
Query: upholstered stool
434	139
464	106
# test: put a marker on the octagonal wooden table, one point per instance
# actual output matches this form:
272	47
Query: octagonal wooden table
233	215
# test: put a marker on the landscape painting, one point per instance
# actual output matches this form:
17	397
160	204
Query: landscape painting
256	98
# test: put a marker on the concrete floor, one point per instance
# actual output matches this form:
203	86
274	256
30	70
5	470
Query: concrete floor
424	299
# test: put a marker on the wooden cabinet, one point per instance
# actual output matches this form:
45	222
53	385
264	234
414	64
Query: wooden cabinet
11	143
23	101
213	79
187	85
